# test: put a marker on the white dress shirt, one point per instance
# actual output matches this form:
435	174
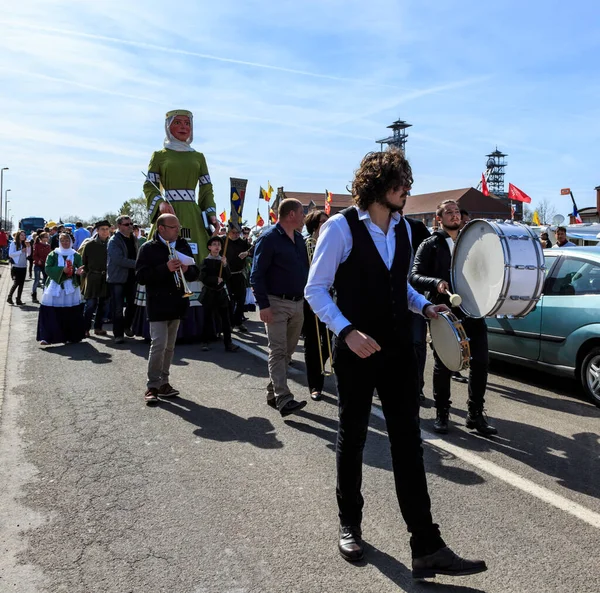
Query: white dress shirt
333	248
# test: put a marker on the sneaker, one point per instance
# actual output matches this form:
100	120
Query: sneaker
151	396
167	390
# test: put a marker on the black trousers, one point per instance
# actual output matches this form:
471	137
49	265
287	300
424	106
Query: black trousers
419	331
312	358
18	276
122	295
236	285
476	330
211	312
94	305
393	373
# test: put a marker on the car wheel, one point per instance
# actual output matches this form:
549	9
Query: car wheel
590	375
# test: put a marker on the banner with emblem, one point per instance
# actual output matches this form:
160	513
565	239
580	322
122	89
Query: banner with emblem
238	195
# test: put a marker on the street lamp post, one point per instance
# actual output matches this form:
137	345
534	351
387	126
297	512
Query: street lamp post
6	201
1	183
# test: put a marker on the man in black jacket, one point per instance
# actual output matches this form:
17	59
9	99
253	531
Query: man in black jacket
431	273
417	233
238	250
166	306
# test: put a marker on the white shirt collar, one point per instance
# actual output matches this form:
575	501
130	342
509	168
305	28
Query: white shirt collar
364	215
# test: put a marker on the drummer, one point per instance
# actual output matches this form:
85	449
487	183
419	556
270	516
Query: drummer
431	273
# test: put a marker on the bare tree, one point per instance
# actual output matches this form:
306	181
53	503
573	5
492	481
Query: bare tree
546	211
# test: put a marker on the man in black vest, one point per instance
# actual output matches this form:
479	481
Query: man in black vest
364	252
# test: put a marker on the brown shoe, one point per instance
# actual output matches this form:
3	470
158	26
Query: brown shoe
167	390
100	332
445	561
151	396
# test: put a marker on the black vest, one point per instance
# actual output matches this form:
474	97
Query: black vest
369	295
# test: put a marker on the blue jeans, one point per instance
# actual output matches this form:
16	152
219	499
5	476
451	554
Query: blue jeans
122	295
38	271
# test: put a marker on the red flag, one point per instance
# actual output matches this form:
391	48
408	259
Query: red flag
565	191
484	188
327	208
514	193
223	217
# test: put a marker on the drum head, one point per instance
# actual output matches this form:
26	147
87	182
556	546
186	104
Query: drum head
446	342
478	268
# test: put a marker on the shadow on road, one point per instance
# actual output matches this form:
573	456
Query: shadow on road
220	425
570	396
401	576
574	462
377	449
80	351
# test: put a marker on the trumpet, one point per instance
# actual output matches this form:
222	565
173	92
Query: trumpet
311	243
180	280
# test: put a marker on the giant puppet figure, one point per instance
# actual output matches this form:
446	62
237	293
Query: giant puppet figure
176	170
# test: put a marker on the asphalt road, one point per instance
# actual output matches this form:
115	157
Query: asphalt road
213	492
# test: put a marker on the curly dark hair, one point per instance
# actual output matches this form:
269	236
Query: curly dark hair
380	172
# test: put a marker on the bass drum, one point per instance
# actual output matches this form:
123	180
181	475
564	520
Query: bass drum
497	269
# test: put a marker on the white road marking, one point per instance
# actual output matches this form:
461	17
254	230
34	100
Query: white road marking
556	500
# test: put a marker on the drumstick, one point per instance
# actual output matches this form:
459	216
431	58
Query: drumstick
455	299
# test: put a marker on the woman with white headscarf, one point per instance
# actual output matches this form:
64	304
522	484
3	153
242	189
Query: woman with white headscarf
178	169
61	308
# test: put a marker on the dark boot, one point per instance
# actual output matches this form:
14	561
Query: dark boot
478	421
440	424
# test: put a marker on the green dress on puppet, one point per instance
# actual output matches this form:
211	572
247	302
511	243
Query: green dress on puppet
177	170
178	174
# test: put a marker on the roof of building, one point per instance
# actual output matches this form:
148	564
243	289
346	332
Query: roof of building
318	199
468	198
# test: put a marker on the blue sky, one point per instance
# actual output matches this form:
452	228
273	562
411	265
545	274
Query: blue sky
295	92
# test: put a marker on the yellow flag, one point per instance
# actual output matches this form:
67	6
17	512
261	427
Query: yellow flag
270	190
535	220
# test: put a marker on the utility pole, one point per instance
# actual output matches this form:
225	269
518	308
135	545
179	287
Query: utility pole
1	183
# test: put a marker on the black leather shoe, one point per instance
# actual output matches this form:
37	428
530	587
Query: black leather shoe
351	545
479	423
291	407
272	403
445	561
440	424
456	376
316	395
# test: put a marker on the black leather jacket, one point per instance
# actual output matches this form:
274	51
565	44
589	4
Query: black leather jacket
432	265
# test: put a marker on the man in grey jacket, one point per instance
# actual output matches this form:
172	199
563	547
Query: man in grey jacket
120	276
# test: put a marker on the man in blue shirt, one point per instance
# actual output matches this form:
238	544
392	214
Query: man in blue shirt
80	234
279	274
